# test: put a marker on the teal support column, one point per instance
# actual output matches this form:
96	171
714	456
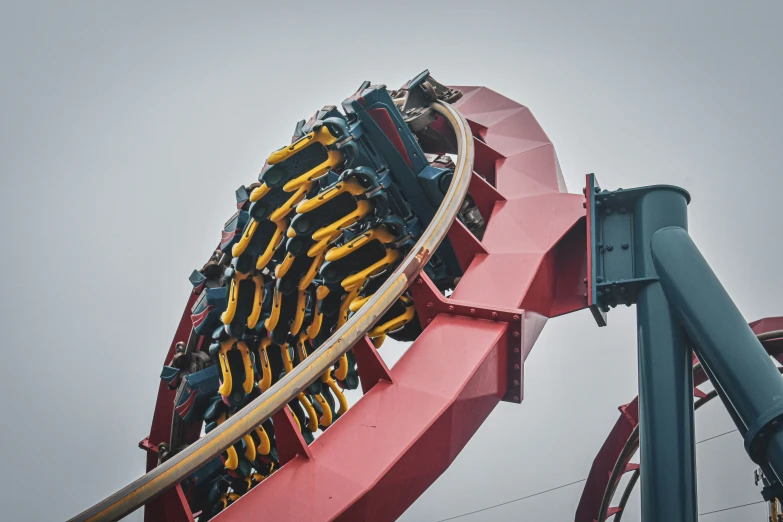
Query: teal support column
737	362
668	477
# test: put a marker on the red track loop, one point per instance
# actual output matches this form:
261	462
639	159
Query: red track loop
415	418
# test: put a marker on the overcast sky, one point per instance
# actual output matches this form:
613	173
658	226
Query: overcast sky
124	131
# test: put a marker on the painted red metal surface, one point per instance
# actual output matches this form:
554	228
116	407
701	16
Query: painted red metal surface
416	417
371	367
612	453
170	505
290	443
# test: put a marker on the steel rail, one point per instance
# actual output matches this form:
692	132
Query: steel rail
170	472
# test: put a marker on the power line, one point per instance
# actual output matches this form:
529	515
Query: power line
512	501
732	507
716	436
577	482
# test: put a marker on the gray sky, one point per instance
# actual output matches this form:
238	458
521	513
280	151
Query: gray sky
126	129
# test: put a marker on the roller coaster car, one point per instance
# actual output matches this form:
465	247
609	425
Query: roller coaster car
196	395
309	244
208	308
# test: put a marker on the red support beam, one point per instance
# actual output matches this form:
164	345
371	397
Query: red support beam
290	443
370	365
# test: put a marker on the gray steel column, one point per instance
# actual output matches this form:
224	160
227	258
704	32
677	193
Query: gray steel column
668	478
724	342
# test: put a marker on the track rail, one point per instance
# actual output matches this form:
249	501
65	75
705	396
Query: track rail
169	473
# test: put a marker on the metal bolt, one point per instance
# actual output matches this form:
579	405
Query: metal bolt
429	305
419	281
472	310
515	398
516	382
625	246
609	247
516	335
599	279
516	350
516	318
451	308
597	190
494	315
517	367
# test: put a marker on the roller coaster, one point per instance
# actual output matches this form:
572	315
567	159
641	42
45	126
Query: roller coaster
393	216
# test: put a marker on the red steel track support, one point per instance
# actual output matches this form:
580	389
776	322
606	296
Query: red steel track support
416	417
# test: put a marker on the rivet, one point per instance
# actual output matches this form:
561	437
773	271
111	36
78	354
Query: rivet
625	246
609	247
451	308
622	210
429	320
419	281
516	367
472	310
516	350
597	190
494	315
608	211
599	279
515	398
516	335
429	305
516	318
516	382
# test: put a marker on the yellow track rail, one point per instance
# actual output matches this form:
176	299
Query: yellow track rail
172	471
